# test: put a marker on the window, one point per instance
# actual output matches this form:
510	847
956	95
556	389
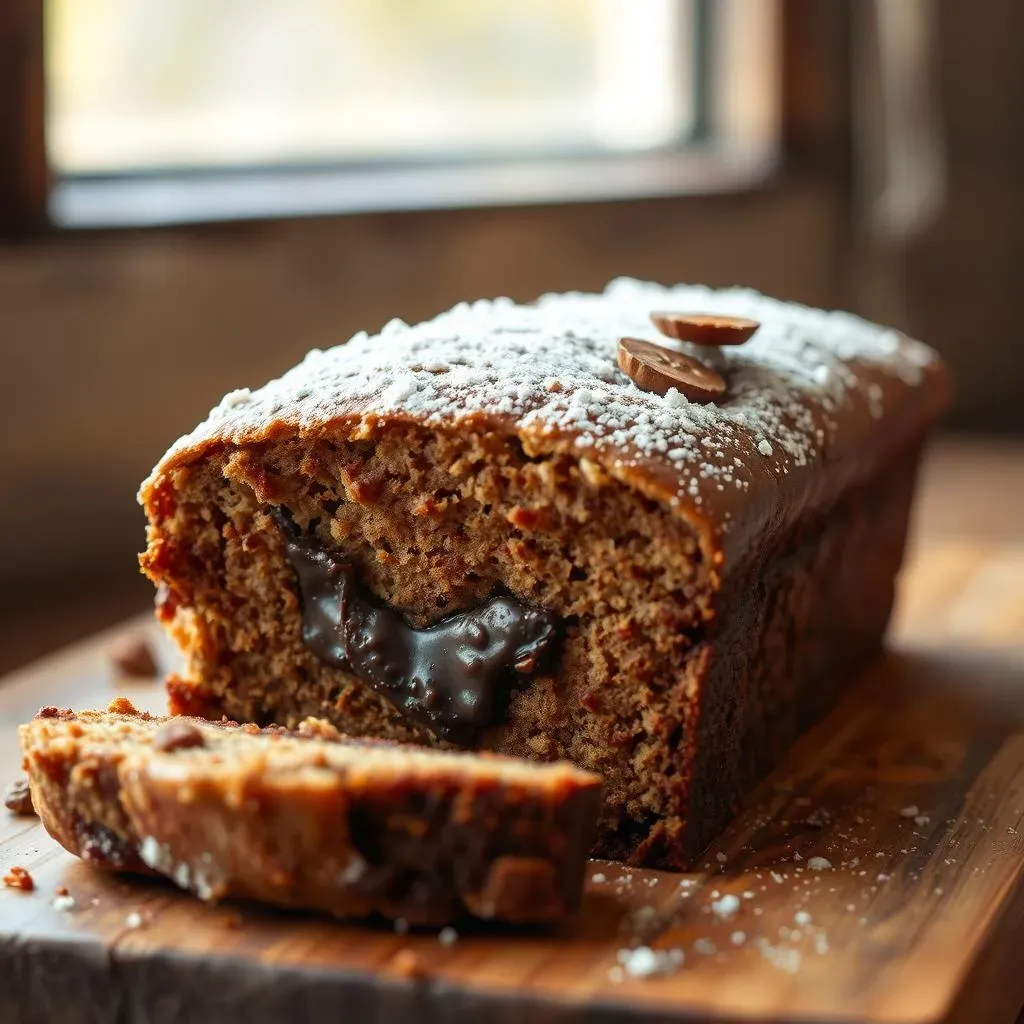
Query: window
237	82
195	110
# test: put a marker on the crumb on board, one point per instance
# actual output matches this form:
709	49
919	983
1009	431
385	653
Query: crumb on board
407	964
19	878
132	656
18	798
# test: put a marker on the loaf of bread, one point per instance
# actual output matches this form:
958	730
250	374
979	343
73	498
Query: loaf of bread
505	529
309	819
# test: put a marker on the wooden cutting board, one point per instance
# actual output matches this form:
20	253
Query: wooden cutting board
912	791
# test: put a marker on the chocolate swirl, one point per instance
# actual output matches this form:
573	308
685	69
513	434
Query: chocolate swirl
453	677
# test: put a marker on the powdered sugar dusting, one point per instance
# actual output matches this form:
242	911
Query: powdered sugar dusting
551	366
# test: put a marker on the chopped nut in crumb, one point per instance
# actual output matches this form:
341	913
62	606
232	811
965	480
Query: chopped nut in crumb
319	729
123	706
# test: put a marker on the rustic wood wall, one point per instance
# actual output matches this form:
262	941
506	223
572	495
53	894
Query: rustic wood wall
965	278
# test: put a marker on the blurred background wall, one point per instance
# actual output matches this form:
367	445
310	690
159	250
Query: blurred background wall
171	227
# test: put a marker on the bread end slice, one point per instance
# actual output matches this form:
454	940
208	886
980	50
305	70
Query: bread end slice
311	819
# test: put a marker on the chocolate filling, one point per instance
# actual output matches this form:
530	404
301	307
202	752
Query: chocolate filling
453	677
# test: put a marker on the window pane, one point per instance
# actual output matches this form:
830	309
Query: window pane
137	84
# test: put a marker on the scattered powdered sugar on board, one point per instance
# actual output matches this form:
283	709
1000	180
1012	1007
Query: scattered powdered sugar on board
644	962
726	906
551	367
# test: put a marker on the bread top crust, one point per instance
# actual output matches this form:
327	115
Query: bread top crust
815	400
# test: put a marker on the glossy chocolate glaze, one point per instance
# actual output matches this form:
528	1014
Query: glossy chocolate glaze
453	677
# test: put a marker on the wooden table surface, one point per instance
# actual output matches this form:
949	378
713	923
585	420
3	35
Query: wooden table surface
912	791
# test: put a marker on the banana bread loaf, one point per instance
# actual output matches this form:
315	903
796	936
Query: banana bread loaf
310	819
510	529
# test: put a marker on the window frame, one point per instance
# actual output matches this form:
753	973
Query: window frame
24	169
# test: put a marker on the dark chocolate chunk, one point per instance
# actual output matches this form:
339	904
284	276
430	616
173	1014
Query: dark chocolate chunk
657	368
447	676
453	677
177	734
64	714
704	328
321	577
98	844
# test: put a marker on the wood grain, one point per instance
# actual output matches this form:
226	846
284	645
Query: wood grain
917	918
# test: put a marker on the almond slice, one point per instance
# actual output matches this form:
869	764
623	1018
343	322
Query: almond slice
705	328
656	368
